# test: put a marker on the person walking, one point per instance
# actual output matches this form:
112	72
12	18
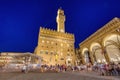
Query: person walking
24	69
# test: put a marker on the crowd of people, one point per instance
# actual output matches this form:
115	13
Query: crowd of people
111	69
104	69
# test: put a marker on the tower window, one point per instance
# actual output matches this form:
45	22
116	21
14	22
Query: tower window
43	41
68	49
71	49
46	52
56	43
51	53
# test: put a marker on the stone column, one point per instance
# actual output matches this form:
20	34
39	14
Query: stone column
91	57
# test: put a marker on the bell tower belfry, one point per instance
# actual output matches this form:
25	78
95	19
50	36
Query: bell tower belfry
60	19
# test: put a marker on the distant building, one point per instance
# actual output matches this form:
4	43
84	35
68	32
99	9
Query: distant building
17	58
56	47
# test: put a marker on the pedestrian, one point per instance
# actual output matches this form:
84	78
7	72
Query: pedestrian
24	69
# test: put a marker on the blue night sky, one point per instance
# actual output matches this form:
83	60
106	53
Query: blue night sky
20	20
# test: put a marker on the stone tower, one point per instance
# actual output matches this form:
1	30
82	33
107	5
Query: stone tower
56	46
60	20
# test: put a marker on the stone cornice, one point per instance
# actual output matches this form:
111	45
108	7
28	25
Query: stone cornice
100	33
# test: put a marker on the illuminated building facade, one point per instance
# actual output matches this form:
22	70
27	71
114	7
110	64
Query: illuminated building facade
103	45
56	47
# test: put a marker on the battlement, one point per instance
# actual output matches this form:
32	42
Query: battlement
54	33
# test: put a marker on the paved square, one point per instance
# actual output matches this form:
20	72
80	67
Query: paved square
53	76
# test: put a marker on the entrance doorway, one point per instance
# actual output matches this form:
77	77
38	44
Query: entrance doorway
69	62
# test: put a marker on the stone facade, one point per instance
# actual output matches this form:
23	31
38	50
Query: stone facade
56	47
103	45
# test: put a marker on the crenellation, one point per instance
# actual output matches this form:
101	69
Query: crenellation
48	32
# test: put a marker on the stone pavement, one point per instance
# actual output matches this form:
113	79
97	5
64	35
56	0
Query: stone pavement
55	76
95	75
